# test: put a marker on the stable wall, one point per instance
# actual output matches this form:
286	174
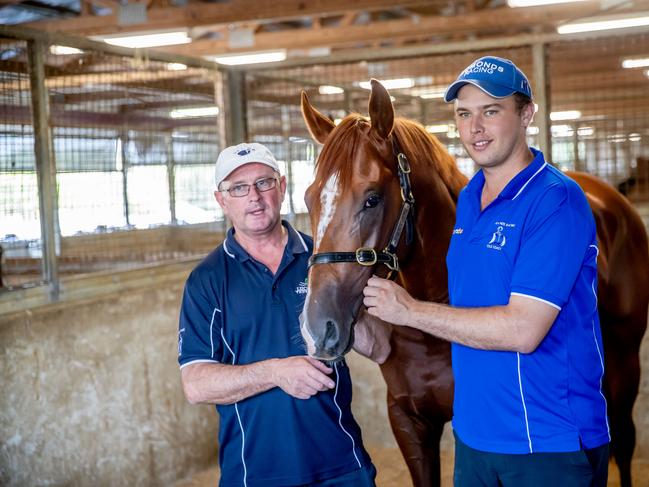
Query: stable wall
91	393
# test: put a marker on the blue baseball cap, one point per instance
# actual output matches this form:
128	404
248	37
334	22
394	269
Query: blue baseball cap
496	76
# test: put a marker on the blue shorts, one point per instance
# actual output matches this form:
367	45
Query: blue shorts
582	468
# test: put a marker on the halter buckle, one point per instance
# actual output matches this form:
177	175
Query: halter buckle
361	259
404	165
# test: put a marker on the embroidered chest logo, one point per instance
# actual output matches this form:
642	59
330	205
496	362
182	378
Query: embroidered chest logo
302	287
498	238
458	231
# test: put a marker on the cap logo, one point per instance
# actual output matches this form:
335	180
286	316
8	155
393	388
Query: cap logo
483	67
244	152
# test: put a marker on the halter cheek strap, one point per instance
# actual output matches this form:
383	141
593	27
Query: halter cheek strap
367	256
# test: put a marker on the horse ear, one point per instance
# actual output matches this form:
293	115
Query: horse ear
381	110
319	126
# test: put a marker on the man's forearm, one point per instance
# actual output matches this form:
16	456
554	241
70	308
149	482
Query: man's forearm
485	328
211	383
519	326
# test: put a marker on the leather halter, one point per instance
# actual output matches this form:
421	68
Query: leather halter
367	256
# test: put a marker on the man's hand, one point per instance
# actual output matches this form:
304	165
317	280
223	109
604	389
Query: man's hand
387	301
301	377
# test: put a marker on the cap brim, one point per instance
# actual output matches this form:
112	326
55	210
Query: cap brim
491	89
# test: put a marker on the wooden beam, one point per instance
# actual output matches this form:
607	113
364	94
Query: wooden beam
70	80
198	14
379	31
132	121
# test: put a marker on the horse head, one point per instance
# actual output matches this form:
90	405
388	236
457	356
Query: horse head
353	204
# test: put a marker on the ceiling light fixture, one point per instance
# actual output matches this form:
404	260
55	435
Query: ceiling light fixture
194	112
250	58
390	84
635	62
619	22
64	50
330	90
565	115
430	92
147	40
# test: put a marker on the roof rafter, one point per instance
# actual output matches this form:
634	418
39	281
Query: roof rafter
197	14
393	29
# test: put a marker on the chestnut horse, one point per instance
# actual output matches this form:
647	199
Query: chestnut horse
360	206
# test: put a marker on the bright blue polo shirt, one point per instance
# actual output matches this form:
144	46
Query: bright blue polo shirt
235	311
536	239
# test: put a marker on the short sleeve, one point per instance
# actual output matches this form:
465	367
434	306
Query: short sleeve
200	319
554	246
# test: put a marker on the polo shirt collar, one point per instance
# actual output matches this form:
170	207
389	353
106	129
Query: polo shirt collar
233	248
518	182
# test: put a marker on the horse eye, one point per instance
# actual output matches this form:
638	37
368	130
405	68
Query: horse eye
372	201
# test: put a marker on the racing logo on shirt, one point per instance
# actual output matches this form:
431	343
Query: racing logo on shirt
302	287
498	238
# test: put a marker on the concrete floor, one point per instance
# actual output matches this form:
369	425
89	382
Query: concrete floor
392	471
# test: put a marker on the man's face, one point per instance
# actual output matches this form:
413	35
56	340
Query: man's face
257	213
491	129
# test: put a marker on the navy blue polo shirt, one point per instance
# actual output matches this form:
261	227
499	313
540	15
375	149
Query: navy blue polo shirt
536	239
235	311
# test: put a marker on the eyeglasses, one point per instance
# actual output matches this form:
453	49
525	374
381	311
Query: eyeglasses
262	185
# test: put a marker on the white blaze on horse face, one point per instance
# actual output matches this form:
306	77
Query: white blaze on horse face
304	330
328	199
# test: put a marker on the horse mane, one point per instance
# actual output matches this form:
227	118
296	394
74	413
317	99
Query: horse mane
417	144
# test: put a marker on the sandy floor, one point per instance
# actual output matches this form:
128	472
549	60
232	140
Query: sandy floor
392	472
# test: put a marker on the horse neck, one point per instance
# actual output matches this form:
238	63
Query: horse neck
424	270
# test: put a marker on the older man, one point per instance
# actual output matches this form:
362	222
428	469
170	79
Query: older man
285	418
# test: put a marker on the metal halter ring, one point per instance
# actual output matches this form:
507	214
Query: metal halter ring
361	261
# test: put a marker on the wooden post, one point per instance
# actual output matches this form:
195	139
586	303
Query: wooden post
45	165
542	98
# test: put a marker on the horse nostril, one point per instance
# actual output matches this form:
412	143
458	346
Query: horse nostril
331	335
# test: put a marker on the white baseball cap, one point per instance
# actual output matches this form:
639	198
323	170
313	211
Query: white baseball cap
235	156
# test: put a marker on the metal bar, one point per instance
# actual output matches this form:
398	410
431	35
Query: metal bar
45	165
124	153
171	178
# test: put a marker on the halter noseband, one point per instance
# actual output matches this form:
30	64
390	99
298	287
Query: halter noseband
367	256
